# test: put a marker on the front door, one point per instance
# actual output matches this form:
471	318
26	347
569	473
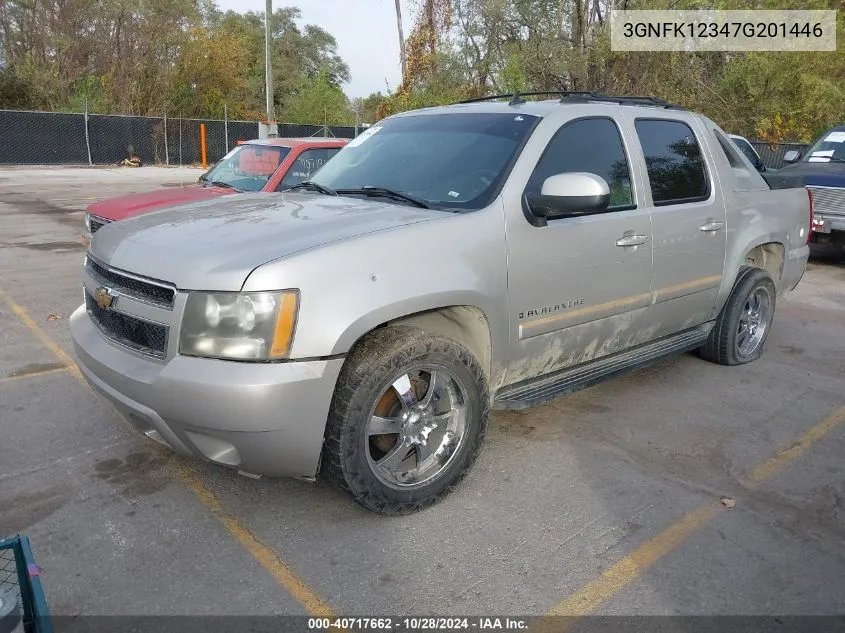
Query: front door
578	286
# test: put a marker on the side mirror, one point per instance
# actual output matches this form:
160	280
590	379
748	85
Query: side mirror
569	194
791	156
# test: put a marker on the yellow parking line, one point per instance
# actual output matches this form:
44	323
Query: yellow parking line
34	374
592	595
42	336
624	572
263	554
777	462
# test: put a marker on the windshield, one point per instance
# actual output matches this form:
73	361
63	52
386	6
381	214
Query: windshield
247	167
449	161
831	145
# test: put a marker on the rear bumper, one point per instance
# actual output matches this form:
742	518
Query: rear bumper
823	223
262	418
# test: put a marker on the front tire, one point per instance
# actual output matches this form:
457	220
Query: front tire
745	320
407	420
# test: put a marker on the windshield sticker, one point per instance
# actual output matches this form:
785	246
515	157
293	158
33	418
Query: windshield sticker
825	152
835	137
363	136
454	194
818	159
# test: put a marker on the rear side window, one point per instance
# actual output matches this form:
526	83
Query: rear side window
673	160
730	153
587	145
306	165
746	149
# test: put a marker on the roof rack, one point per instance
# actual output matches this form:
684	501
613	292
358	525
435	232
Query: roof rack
576	96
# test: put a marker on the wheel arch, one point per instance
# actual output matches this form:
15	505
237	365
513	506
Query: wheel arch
768	256
465	323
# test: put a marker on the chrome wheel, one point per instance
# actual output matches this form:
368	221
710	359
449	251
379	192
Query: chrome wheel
754	321
416	426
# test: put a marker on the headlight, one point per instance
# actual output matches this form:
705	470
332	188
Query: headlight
239	325
88	223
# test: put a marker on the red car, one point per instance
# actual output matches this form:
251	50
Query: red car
262	165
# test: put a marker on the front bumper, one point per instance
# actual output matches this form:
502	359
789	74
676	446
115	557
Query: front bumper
261	418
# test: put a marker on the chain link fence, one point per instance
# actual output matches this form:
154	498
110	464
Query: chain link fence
59	138
772	153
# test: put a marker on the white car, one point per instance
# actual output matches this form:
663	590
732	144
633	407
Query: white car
748	149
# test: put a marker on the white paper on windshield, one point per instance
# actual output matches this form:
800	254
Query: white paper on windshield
818	159
824	152
835	137
363	136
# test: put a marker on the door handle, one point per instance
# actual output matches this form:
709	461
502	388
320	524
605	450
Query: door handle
712	226
632	240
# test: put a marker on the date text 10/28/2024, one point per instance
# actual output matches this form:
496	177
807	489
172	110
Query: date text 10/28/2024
418	624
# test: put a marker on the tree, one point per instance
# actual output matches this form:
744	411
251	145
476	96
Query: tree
148	56
318	100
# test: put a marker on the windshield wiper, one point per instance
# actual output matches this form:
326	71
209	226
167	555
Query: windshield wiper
369	190
313	186
220	183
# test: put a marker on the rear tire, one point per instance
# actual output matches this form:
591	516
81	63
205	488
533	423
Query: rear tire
744	322
407	420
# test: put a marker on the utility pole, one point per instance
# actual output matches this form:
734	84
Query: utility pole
402	60
268	68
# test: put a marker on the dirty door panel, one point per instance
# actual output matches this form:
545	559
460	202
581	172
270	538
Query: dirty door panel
689	224
573	291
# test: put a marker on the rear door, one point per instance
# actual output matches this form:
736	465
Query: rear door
688	220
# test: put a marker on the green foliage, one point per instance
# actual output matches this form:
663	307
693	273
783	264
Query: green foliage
150	56
188	57
317	100
535	45
367	107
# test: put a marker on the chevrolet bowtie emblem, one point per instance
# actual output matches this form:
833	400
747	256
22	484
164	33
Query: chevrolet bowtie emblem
104	297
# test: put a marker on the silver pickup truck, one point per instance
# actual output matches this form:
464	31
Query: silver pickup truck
489	254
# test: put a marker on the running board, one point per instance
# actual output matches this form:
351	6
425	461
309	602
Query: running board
544	388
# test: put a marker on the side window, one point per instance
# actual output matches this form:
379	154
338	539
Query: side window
306	165
587	145
748	151
673	161
729	151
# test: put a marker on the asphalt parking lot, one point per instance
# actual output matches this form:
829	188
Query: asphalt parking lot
604	502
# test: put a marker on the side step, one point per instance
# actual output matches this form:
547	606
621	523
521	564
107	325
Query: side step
544	388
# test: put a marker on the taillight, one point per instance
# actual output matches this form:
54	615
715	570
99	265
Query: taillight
810	228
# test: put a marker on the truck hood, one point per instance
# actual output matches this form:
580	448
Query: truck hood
137	203
214	245
819	174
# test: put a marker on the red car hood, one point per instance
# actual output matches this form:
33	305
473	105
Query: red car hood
138	203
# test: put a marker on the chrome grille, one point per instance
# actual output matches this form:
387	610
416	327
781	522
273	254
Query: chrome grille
156	293
828	200
96	223
142	336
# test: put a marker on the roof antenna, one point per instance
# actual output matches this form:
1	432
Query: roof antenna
516	99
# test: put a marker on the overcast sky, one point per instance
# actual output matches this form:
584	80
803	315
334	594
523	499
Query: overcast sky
365	31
